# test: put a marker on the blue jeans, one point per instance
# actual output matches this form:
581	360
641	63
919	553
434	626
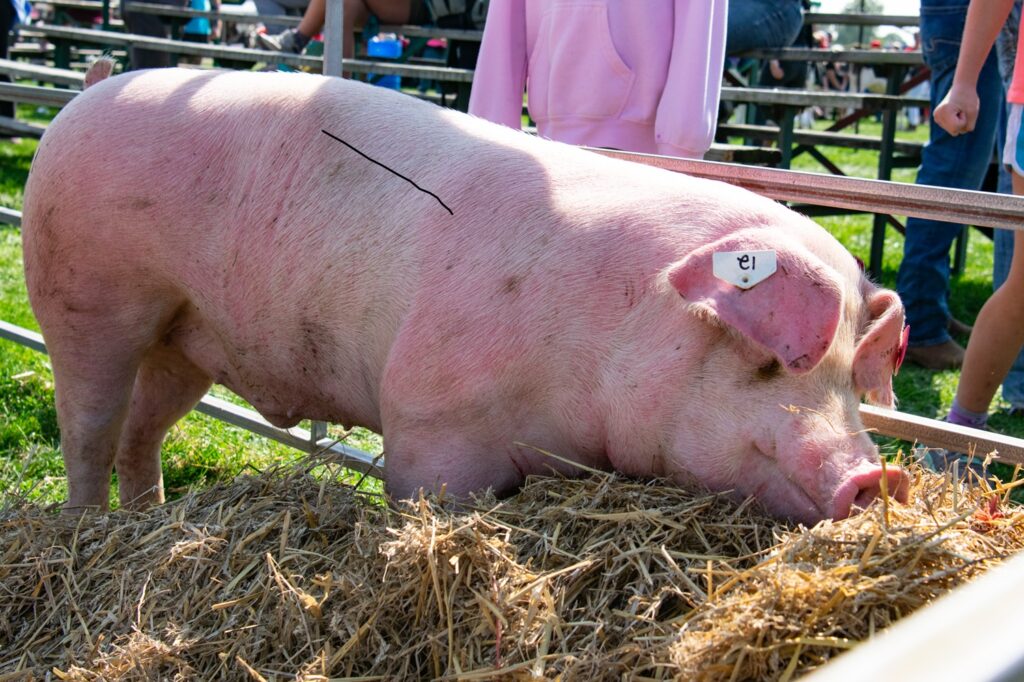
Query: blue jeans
957	162
754	24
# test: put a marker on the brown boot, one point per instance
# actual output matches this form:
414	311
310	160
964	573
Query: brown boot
958	328
948	355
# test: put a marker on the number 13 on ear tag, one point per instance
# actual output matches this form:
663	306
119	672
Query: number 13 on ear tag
743	268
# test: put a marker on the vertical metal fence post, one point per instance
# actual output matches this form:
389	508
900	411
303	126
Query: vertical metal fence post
885	157
317	432
334	41
334	38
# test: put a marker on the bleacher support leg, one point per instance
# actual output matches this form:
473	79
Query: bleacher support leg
786	136
960	253
885	156
62	54
317	432
334	39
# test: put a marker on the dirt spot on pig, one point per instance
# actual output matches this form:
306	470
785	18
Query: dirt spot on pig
138	203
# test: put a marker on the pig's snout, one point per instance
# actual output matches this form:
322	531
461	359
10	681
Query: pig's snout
862	488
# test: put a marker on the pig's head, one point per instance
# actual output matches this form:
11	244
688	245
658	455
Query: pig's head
775	377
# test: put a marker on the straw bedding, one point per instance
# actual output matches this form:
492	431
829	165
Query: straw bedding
292	574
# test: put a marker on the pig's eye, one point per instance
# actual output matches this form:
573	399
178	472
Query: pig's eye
769	371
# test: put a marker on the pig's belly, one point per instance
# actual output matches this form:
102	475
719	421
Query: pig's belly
283	388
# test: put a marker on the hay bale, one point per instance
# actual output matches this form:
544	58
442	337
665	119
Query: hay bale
295	574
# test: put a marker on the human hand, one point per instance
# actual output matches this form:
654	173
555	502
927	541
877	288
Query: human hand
776	69
958	111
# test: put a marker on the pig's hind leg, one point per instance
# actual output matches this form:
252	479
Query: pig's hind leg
118	388
92	393
167	386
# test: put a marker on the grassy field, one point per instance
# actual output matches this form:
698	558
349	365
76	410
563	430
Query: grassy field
201	450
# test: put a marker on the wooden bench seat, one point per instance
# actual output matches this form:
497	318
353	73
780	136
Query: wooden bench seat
34	94
45	74
186	14
821	137
66	35
810	98
861	57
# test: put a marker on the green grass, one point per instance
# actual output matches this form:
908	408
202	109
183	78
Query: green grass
201	450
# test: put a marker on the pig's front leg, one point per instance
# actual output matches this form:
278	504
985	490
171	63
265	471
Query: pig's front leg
438	455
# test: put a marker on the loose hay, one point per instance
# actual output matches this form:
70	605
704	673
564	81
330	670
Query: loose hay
293	574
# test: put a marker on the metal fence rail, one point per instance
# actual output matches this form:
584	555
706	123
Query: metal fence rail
300	439
838	191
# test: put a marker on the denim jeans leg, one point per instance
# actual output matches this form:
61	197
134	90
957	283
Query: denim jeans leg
957	162
754	24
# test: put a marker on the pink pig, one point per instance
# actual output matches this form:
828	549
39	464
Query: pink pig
184	228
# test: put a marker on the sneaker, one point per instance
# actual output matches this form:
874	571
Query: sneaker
288	41
1016	410
940	460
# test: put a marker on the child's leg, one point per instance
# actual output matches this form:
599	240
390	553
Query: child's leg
998	332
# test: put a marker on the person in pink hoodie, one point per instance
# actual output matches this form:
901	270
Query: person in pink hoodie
638	76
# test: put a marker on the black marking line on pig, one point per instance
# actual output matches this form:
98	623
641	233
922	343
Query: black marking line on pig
372	160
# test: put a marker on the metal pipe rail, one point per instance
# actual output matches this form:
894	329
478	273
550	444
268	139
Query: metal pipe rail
854	19
871	196
17	69
300	439
32	94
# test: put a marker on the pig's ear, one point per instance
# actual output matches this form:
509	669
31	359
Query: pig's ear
792	313
881	348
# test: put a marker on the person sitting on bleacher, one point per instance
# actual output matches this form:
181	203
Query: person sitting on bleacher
638	76
200	29
763	24
792	73
152	25
469	13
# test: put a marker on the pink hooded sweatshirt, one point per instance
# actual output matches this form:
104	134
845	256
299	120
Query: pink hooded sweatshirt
638	75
